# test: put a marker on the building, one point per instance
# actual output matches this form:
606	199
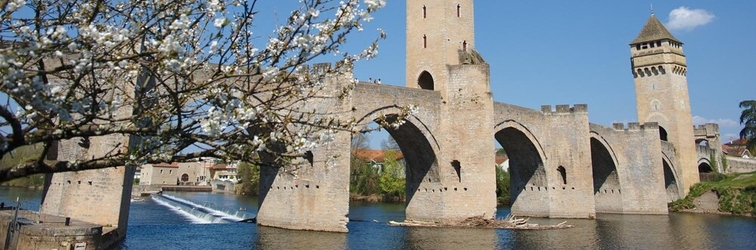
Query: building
189	173
502	162
377	157
737	148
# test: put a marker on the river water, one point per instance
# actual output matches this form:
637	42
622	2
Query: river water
160	224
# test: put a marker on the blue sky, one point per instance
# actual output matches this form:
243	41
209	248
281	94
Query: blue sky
569	52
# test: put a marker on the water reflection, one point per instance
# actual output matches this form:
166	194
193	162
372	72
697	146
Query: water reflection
275	238
152	226
450	238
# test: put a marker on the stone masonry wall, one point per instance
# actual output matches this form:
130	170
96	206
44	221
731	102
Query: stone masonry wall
75	194
312	195
466	160
740	165
637	153
561	139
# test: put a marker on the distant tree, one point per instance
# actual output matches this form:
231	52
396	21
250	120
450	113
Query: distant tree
501	152
360	141
390	144
249	175
19	156
502	186
392	181
748	120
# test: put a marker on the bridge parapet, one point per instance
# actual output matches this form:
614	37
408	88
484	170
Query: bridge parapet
635	126
564	109
706	130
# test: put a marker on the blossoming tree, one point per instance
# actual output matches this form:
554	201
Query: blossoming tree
178	79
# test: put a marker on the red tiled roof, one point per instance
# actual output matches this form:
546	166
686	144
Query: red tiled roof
375	155
165	165
733	150
501	159
219	166
738	142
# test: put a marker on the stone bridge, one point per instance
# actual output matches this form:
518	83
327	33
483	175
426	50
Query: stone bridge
561	165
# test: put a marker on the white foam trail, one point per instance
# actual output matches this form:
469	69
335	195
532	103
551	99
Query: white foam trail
215	212
194	219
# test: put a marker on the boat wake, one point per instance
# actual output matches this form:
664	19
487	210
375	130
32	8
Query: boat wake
202	213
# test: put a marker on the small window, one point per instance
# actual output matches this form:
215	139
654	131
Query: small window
161	171
563	173
458	10
425	41
637	47
658	43
425	14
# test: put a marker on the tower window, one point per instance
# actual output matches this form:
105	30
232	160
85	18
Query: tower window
637	47
458	10
425	14
464	46
658	43
425	41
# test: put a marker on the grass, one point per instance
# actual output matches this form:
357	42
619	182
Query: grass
737	194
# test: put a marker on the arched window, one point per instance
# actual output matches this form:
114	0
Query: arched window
662	133
425	81
184	177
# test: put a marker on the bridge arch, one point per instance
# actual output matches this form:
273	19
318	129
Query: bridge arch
604	164
528	175
606	182
705	171
670	181
416	142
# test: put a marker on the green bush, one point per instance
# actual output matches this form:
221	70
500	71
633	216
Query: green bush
502	186
249	175
737	194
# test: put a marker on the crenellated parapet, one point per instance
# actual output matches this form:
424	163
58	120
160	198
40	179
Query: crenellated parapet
564	109
708	130
635	126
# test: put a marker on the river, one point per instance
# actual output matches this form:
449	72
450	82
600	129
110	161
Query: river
157	224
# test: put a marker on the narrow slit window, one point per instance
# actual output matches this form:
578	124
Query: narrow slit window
425	41
425	13
458	10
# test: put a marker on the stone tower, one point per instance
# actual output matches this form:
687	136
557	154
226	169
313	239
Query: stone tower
661	91
441	57
436	32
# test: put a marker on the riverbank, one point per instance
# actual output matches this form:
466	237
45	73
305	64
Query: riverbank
733	195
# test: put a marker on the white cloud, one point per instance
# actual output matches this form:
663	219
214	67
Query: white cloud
684	18
726	123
